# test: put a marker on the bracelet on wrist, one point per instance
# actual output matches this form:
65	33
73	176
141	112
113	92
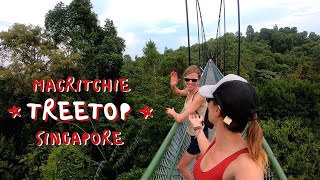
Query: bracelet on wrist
197	130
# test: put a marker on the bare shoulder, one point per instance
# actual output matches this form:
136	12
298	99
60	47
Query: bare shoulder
245	168
198	97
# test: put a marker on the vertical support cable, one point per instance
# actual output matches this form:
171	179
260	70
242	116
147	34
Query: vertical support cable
203	42
217	48
217	55
218	33
220	50
198	32
188	32
225	38
205	49
238	37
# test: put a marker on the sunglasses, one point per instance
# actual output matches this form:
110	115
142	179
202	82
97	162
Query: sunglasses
187	80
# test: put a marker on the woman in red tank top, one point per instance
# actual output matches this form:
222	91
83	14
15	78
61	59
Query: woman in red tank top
232	107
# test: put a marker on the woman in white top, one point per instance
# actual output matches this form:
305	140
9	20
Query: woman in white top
194	104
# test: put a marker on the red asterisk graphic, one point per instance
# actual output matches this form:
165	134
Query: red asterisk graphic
15	111
146	111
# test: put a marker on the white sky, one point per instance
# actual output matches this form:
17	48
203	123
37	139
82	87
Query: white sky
164	21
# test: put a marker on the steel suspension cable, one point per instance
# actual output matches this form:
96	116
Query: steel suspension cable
198	32
188	32
225	38
218	30
238	37
219	60
204	42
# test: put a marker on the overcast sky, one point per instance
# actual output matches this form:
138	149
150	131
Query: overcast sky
164	21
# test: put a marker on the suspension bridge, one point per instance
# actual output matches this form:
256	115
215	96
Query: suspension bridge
164	163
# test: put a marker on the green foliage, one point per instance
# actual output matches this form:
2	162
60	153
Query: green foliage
67	162
70	23
281	98
26	50
296	147
313	36
173	63
76	27
276	101
135	173
250	33
33	160
7	157
280	42
151	58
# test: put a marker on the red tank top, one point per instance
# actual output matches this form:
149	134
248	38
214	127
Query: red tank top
216	172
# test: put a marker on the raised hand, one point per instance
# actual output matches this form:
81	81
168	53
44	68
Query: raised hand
170	111
195	120
174	79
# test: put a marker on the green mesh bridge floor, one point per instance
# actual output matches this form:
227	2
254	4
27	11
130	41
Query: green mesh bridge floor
164	163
